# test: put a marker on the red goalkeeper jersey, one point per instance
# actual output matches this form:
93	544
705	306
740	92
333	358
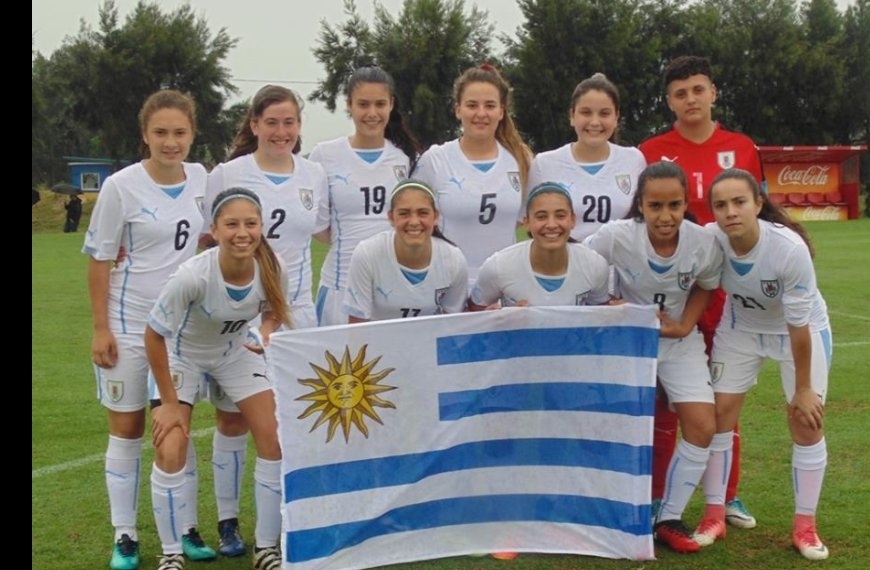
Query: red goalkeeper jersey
703	161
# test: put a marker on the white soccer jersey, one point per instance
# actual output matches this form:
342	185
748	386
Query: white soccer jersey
772	286
508	276
289	213
357	201
644	277
598	198
157	230
479	210
378	290
197	316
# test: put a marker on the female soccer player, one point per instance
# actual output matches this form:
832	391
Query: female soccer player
479	179
198	327
660	260
362	169
600	174
150	211
289	187
550	268
410	270
773	311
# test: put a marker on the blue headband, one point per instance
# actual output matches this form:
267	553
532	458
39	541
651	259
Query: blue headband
234	194
548	187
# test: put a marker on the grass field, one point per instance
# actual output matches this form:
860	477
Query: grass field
70	519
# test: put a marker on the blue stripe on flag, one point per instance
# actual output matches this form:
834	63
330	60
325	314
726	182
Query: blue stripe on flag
310	544
413	467
552	396
593	341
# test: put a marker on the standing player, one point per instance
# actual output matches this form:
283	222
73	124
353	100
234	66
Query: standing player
480	177
775	311
289	187
550	269
150	211
410	270
660	259
198	327
702	148
361	170
600	174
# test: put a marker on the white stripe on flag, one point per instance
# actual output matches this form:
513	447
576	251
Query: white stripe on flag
524	429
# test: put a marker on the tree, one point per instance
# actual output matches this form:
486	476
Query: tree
565	41
856	88
424	49
99	79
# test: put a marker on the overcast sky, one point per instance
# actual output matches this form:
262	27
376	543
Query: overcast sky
275	40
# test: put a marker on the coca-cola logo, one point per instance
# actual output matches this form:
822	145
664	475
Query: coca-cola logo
828	213
815	175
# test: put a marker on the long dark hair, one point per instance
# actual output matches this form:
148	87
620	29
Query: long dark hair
396	131
769	211
246	141
656	171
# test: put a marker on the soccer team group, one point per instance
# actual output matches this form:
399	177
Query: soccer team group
189	272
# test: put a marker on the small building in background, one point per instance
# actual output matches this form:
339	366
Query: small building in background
814	182
88	173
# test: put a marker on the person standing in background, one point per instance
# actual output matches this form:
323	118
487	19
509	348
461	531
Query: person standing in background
361	170
600	175
264	160
73	214
702	148
479	178
151	211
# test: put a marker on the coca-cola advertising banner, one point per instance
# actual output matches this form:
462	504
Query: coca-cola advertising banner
802	177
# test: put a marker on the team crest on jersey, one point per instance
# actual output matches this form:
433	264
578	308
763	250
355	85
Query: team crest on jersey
716	369
200	204
400	172
623	182
439	300
770	287
264	306
116	390
514	179
177	380
306	196
580	298
684	280
726	159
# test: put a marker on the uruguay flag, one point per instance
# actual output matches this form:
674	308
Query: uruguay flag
522	429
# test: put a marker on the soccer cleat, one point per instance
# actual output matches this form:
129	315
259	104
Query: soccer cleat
504	555
231	543
125	554
268	558
195	548
674	534
807	541
737	515
171	562
709	531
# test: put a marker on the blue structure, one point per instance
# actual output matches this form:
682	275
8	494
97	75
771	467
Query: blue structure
90	173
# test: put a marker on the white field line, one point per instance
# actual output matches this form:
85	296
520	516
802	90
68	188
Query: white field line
82	461
849	315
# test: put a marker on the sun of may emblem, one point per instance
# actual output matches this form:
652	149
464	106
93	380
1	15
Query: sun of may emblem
346	393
